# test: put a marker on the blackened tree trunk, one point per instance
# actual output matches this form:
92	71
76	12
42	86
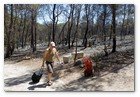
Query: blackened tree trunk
24	25
62	33
87	25
104	30
122	28
70	24
69	33
54	18
15	28
8	44
76	31
19	32
32	30
77	13
113	6
27	33
35	41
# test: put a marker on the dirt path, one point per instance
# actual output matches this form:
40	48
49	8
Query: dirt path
17	74
19	80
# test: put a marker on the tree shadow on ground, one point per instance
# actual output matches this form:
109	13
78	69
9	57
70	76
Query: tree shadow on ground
37	86
17	80
27	55
110	64
114	61
81	84
104	66
21	80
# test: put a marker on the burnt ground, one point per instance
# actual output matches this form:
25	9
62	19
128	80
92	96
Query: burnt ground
114	72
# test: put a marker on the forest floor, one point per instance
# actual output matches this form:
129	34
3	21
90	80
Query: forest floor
114	72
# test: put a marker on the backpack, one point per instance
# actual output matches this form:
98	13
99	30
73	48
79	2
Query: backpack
88	67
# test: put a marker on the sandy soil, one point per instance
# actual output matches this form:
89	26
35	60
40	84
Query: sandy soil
19	80
17	74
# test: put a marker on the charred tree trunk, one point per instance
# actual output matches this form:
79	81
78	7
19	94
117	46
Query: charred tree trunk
35	41
122	28
19	32
24	25
62	33
87	26
104	30
54	18
73	39
114	27
32	31
8	44
77	27
27	33
69	34
70	24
